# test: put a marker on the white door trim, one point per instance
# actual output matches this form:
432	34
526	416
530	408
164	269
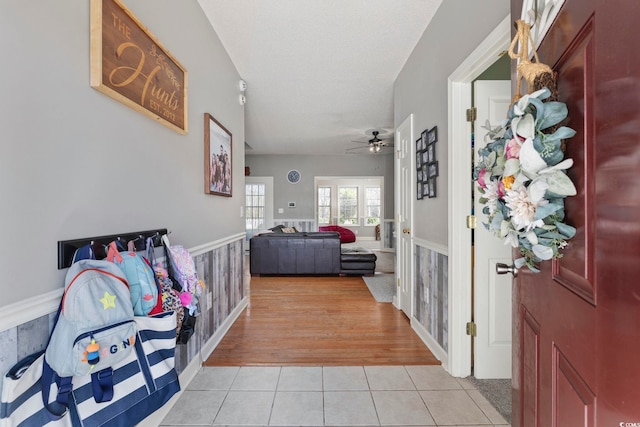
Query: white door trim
459	99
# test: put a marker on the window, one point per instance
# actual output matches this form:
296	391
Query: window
348	205
324	205
372	205
254	211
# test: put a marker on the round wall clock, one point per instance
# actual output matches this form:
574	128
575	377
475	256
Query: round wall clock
293	176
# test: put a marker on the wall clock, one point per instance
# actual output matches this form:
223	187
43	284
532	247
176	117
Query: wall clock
293	176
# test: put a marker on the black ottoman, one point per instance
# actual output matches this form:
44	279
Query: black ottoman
357	261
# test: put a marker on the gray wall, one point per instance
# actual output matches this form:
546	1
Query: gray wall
75	163
311	166
421	88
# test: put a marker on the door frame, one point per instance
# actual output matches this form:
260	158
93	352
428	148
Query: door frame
268	198
459	161
400	253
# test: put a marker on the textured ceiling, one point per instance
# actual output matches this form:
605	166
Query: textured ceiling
320	73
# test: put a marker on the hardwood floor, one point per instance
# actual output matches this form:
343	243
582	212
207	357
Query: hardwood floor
319	321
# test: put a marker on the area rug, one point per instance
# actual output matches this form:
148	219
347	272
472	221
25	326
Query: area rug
381	286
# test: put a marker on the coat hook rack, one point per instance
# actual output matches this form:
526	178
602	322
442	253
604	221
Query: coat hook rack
66	248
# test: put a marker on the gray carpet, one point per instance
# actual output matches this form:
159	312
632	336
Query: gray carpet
381	286
498	392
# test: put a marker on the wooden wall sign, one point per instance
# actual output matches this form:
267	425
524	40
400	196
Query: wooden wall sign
129	64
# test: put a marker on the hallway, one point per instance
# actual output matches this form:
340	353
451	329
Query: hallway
331	396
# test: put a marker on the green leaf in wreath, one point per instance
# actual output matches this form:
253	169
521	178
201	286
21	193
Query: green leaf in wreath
560	183
546	210
563	132
554	113
566	230
511	167
542	252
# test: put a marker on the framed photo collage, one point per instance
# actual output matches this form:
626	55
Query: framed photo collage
426	163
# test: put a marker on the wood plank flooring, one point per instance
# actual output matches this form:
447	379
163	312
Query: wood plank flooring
319	321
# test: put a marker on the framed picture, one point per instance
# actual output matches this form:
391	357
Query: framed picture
431	149
432	170
425	189
431	188
419	159
424	139
419	190
420	176
425	159
129	64
425	173
217	158
419	145
432	135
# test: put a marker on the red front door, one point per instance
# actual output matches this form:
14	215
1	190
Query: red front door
576	325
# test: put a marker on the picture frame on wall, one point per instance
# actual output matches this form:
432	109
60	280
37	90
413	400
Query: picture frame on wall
431	188
419	191
432	135
424	137
418	160
217	158
431	149
419	145
425	189
432	170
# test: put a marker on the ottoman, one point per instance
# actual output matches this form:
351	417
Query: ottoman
357	261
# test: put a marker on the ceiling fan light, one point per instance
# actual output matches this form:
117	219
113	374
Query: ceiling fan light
371	148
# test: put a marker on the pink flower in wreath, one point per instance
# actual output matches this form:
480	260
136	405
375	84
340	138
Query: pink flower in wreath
501	189
513	148
481	178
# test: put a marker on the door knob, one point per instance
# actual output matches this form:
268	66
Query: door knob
406	231
504	269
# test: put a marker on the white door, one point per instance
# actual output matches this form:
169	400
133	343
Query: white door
258	207
492	293
405	193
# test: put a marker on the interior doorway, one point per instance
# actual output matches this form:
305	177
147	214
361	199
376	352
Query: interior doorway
258	208
460	204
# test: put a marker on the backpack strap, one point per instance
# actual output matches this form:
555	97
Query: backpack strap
113	254
57	409
84	252
102	385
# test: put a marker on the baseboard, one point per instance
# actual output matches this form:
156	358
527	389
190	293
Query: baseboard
215	339
431	343
195	365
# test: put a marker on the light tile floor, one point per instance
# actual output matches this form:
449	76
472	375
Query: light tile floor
331	396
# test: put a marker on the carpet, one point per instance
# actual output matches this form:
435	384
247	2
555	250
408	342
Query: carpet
381	286
498	392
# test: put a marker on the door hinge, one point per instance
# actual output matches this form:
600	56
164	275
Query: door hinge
471	329
398	282
471	114
472	221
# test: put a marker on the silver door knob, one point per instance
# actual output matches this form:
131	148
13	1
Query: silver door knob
504	269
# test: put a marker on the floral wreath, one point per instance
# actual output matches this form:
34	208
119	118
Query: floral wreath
521	174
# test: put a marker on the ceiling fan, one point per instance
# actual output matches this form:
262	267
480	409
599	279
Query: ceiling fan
374	145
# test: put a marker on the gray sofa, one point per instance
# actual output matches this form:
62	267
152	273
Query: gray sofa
295	253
